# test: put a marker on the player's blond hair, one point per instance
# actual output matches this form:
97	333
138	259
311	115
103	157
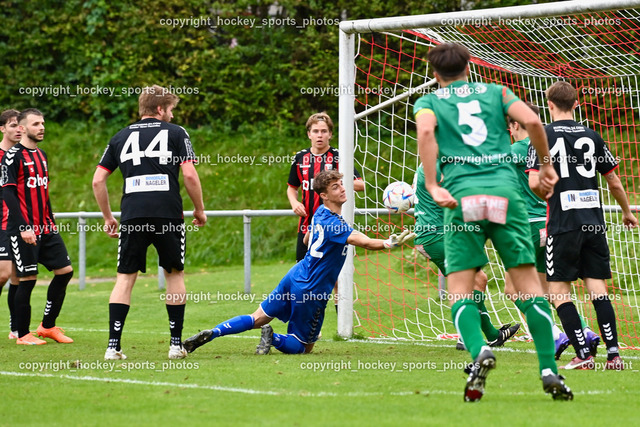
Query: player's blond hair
153	97
319	117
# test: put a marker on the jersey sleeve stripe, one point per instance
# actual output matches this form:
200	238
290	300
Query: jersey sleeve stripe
425	110
107	169
613	169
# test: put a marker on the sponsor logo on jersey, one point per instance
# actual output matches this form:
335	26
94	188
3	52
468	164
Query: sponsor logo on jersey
147	183
37	181
5	175
579	199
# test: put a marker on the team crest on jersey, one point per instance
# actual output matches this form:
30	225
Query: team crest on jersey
328	167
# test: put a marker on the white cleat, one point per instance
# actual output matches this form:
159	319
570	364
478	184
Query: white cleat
177	352
113	354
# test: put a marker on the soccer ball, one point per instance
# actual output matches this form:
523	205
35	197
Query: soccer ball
398	197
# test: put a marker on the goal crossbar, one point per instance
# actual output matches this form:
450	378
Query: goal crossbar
484	16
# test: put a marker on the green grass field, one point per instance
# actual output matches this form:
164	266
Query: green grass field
358	382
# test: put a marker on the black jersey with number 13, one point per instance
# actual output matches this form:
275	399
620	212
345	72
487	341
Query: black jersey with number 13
149	154
577	153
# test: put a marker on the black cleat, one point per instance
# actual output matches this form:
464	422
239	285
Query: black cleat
460	345
552	384
478	371
266	337
506	332
199	339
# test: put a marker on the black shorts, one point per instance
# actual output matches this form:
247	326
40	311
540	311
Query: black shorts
5	251
49	251
167	235
577	254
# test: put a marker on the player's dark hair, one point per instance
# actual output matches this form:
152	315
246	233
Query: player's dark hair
24	113
531	106
153	97
322	181
319	117
7	115
449	59
563	95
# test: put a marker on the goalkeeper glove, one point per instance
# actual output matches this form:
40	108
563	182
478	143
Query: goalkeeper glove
395	240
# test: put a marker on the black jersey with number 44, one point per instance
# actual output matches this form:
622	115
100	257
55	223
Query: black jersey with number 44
577	153
149	154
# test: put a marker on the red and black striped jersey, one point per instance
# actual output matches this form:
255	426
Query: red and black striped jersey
26	169
149	154
305	166
4	211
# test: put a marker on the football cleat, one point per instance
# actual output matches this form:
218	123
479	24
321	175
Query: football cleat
113	354
554	385
199	339
593	340
30	340
478	371
266	337
177	352
615	365
580	364
506	332
561	344
55	333
13	335
460	345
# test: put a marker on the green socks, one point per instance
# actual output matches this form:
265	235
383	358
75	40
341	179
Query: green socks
488	329
538	315
466	319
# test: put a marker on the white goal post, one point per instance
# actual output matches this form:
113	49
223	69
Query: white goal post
378	117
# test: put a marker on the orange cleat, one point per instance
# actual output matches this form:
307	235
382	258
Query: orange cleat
55	333
30	340
13	335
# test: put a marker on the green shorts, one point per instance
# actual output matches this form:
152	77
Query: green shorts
506	223
433	249
539	240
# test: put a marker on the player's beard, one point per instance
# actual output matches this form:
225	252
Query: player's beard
34	138
166	117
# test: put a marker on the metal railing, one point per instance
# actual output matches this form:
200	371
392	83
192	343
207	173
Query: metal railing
246	215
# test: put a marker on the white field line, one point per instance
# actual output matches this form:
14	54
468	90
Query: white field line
270	392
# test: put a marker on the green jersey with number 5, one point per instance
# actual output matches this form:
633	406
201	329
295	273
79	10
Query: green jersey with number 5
471	131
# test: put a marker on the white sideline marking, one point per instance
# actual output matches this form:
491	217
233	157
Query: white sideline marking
272	393
215	387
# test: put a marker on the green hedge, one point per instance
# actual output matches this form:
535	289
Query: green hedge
54	51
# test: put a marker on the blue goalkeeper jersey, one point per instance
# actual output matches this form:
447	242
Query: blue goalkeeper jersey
320	267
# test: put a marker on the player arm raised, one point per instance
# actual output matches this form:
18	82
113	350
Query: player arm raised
101	194
194	190
358	239
618	193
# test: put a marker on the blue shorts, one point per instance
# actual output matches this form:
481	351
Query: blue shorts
304	310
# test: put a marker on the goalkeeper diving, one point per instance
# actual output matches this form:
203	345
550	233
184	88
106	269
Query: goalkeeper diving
302	295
